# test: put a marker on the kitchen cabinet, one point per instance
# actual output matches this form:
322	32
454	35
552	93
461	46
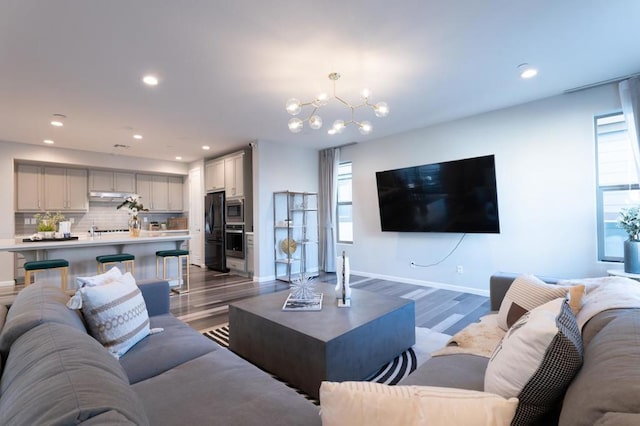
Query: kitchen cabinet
234	176
109	181
65	189
214	176
295	235
160	193
175	187
29	189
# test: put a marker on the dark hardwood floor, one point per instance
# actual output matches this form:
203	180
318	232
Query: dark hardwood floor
206	305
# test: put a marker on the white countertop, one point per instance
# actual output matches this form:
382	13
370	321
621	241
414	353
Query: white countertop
16	244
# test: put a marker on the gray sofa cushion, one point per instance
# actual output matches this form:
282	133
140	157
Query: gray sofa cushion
461	371
224	389
157	353
609	380
111	418
35	305
57	375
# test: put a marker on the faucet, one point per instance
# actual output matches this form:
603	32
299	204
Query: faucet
92	230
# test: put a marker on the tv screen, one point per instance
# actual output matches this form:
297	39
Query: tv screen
453	196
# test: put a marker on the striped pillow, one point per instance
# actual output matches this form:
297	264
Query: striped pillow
116	314
527	292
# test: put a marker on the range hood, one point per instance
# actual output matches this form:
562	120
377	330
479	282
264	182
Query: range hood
108	196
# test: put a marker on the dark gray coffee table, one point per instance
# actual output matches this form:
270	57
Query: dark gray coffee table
335	344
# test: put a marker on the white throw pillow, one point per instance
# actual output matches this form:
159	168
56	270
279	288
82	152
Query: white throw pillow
116	314
528	292
371	404
112	274
537	360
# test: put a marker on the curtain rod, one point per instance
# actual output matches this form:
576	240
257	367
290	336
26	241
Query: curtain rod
601	83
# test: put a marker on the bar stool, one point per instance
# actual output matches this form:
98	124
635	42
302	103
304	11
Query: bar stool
128	260
41	265
171	254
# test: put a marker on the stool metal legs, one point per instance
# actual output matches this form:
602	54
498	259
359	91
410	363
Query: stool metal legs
180	273
129	266
64	272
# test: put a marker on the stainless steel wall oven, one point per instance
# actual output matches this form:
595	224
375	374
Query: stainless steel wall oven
234	240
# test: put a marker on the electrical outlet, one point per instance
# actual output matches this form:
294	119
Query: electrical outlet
459	269
72	220
27	220
144	219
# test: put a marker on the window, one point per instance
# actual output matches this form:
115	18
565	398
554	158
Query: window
617	183
345	208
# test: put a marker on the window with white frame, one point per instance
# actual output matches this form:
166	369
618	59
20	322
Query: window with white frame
345	207
617	183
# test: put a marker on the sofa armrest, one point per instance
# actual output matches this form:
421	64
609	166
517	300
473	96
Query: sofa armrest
156	296
500	282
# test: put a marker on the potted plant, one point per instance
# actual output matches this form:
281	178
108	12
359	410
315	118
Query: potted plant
47	223
630	222
134	205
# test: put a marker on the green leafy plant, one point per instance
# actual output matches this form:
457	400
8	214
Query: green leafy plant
630	221
133	204
47	222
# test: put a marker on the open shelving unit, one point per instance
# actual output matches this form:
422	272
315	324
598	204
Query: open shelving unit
295	235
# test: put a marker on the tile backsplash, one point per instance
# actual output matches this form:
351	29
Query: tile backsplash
103	215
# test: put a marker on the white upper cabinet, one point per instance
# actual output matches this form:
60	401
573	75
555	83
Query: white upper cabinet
160	193
65	189
233	176
104	180
29	190
214	176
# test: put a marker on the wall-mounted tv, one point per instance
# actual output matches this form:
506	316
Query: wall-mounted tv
453	196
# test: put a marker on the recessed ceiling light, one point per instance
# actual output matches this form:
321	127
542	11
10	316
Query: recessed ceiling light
48	141
137	136
58	120
527	71
206	147
178	158
150	80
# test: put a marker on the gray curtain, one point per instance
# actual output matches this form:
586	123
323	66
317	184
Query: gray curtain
630	98
327	206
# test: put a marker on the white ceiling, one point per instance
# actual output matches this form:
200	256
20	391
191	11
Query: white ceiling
227	67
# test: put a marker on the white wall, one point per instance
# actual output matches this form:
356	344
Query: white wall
15	151
277	167
545	167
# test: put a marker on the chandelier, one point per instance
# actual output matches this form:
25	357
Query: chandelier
294	107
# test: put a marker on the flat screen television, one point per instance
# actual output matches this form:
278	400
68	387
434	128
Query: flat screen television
453	196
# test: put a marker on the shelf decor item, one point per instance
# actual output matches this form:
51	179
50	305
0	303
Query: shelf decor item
295	235
630	221
47	223
343	291
133	204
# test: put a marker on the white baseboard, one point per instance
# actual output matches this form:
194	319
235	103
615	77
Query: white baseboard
263	279
423	283
9	283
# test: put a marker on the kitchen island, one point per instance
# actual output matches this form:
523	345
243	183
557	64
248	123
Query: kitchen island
81	253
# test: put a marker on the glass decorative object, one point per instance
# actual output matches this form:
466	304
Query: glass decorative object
134	226
302	288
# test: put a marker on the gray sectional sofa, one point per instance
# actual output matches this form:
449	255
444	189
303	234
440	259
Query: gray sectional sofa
606	391
54	373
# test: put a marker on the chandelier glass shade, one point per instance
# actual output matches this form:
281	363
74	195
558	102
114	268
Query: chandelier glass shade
295	106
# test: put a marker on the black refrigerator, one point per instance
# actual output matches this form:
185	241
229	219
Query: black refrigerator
214	256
